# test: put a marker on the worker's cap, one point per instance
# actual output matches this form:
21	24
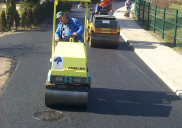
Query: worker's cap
59	14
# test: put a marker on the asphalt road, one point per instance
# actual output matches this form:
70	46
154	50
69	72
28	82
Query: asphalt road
125	92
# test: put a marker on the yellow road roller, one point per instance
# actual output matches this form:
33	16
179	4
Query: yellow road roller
68	80
103	30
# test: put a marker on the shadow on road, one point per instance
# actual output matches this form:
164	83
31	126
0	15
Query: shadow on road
128	102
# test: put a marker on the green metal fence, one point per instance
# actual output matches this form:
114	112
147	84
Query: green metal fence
163	21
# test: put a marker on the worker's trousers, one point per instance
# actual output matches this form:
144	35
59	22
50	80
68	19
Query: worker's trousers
129	10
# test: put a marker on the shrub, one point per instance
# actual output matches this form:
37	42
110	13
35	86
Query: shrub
3	21
29	18
9	17
28	3
17	18
35	14
23	19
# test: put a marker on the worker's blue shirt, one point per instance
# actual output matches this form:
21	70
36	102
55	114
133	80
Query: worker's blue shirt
73	26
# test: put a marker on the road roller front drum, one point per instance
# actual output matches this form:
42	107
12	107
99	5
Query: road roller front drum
62	97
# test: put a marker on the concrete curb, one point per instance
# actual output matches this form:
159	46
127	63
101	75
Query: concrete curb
153	67
163	75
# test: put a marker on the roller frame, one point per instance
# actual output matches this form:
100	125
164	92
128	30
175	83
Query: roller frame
104	43
72	63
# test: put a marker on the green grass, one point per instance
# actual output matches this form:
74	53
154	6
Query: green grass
155	35
170	16
177	7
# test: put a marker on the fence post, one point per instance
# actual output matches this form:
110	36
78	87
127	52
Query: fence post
143	12
139	10
163	23
154	18
175	28
148	15
135	6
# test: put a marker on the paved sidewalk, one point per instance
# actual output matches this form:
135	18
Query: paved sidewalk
164	61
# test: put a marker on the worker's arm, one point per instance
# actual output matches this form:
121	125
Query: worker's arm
79	27
110	8
58	33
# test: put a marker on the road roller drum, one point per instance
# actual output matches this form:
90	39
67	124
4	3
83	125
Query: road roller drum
66	97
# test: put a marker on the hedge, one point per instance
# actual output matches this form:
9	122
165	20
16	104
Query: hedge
33	16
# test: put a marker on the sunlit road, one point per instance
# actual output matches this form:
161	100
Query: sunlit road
125	93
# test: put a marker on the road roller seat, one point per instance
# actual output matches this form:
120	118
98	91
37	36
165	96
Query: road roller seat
103	12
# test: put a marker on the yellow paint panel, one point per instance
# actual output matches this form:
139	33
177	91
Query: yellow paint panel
73	59
69	73
73	62
67	49
104	30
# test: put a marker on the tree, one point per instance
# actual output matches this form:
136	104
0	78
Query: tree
13	6
17	18
9	17
29	18
28	3
3	21
23	18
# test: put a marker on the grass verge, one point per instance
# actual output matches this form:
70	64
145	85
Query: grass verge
166	42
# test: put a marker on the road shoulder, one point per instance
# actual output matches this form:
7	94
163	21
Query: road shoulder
7	67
